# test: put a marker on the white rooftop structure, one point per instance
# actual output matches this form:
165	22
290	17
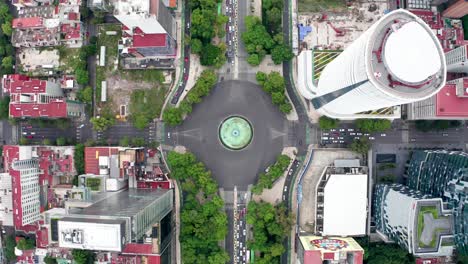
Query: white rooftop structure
406	50
345	203
91	234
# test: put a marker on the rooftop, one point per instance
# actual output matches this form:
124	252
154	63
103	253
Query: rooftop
318	249
449	103
27	22
126	203
345	204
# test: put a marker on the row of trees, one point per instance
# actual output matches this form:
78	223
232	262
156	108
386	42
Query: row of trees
205	83
273	84
266	180
383	253
259	43
361	146
4	107
207	24
373	125
326	122
203	221
270	226
6	49
60	141
430	125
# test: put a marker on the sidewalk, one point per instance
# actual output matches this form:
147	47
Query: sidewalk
195	71
179	57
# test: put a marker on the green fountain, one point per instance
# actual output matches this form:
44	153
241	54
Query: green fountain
235	133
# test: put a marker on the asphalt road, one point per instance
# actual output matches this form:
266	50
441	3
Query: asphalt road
126	129
186	70
199	133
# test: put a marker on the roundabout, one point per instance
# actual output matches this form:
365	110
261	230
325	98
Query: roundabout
235	131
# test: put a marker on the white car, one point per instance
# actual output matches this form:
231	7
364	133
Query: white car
342	129
371	138
352	134
341	141
383	135
333	130
168	135
359	134
350	130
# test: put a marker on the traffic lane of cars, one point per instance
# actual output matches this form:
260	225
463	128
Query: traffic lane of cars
346	136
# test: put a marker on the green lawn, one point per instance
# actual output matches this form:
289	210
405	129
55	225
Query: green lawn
146	105
93	183
111	43
69	59
148	75
423	210
321	5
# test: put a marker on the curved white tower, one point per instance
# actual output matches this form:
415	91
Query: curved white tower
398	60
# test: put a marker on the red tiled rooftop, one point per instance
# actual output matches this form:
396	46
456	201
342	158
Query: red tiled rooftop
54	109
172	3
73	16
92	155
449	104
139	249
149	40
16	83
27	22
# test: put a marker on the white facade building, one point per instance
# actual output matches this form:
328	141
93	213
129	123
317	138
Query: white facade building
6	202
28	191
341	208
457	59
397	61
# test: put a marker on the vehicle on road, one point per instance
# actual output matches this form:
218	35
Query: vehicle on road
383	135
186	59
168	135
371	138
445	134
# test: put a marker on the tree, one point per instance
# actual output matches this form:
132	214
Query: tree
254	59
4	107
6	28
361	146
281	53
101	123
83	256
172	116
26	243
85	95
10	245
50	260
7	62
138	142
4	11
373	125
196	46
46	142
209	55
328	123
23	141
140	121
124	142
278	98
61	141
78	157
82	76
273	19
261	77
429	125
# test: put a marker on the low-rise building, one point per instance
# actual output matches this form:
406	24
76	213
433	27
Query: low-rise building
342	198
149	33
339	250
48	25
113	168
34	98
450	103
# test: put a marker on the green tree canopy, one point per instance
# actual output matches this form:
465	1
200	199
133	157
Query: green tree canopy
83	256
82	76
361	146
61	141
172	116
196	46
328	123
101	123
373	125
281	53
6	28
85	95
79	158
4	107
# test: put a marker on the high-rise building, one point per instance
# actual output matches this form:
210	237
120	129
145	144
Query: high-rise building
444	174
398	60
414	220
457	59
121	222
